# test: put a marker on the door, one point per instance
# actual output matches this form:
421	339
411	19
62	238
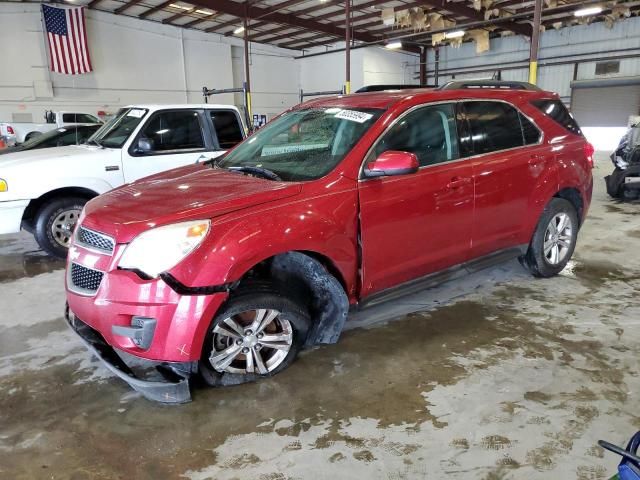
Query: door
420	223
507	159
169	139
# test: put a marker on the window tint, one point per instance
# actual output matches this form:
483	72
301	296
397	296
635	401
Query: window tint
530	132
78	118
227	128
494	126
558	112
429	133
178	130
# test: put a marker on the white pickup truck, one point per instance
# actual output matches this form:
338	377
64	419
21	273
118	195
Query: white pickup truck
44	191
18	132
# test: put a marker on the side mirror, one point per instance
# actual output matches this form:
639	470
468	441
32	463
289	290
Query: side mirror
145	145
391	163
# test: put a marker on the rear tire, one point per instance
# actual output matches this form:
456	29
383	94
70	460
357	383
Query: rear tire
554	239
55	222
238	345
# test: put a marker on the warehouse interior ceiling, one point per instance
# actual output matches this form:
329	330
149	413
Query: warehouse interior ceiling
305	24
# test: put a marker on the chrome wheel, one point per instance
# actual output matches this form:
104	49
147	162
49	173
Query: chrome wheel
254	341
63	226
558	238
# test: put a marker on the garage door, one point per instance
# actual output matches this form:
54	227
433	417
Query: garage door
605	105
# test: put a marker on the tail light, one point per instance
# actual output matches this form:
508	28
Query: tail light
588	153
10	130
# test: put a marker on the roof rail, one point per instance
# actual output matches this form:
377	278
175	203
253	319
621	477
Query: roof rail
498	84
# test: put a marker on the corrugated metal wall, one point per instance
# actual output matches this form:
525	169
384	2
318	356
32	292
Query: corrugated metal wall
579	43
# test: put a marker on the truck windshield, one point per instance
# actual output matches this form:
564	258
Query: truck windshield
115	132
303	144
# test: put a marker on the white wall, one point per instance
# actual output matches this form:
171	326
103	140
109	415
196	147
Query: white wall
134	62
369	66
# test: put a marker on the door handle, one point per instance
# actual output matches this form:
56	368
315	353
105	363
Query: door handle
457	182
112	168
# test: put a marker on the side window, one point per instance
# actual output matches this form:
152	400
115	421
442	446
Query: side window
559	113
428	132
78	118
174	130
494	126
530	132
227	128
70	137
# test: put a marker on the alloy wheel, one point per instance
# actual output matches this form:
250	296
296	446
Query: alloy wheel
251	342
558	238
63	226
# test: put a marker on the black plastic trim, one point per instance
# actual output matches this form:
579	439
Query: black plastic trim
182	289
174	390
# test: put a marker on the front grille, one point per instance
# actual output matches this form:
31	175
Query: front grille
85	279
96	240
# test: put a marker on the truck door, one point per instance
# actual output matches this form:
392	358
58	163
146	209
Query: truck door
420	223
169	139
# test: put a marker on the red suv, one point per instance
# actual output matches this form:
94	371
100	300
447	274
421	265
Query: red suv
228	268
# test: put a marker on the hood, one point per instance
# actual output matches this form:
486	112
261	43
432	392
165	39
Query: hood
186	193
33	172
27	158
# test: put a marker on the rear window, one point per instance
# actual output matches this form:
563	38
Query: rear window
227	128
559	113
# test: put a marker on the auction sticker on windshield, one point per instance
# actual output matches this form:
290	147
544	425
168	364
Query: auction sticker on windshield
135	113
353	115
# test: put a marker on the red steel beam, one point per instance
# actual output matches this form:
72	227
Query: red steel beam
155	9
236	9
126	6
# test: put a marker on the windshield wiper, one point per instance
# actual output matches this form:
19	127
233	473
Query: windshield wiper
263	172
214	162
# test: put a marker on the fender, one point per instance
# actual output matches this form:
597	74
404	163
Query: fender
546	186
236	244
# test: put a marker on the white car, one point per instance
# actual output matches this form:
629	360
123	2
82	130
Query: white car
18	132
44	191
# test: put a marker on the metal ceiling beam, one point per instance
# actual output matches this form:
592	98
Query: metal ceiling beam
155	9
178	15
195	22
272	9
126	6
237	10
331	3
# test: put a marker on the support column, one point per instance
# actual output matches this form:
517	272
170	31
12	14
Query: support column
347	40
535	42
436	70
247	77
423	66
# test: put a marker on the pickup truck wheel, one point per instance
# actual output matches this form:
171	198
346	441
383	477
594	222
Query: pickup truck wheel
55	223
554	239
256	335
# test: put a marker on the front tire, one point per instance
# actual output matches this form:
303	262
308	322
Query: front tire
55	223
257	334
554	239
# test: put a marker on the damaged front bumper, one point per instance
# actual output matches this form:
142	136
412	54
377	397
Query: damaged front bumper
174	390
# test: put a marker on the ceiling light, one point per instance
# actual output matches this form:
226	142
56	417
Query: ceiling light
182	7
204	12
583	12
238	30
394	44
454	34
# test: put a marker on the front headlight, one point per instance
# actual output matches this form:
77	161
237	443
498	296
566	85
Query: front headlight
157	250
3	185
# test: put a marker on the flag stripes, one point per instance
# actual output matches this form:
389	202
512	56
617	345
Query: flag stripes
67	40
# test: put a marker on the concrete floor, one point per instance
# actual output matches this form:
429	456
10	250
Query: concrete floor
496	376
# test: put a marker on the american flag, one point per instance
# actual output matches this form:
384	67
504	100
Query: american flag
67	38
